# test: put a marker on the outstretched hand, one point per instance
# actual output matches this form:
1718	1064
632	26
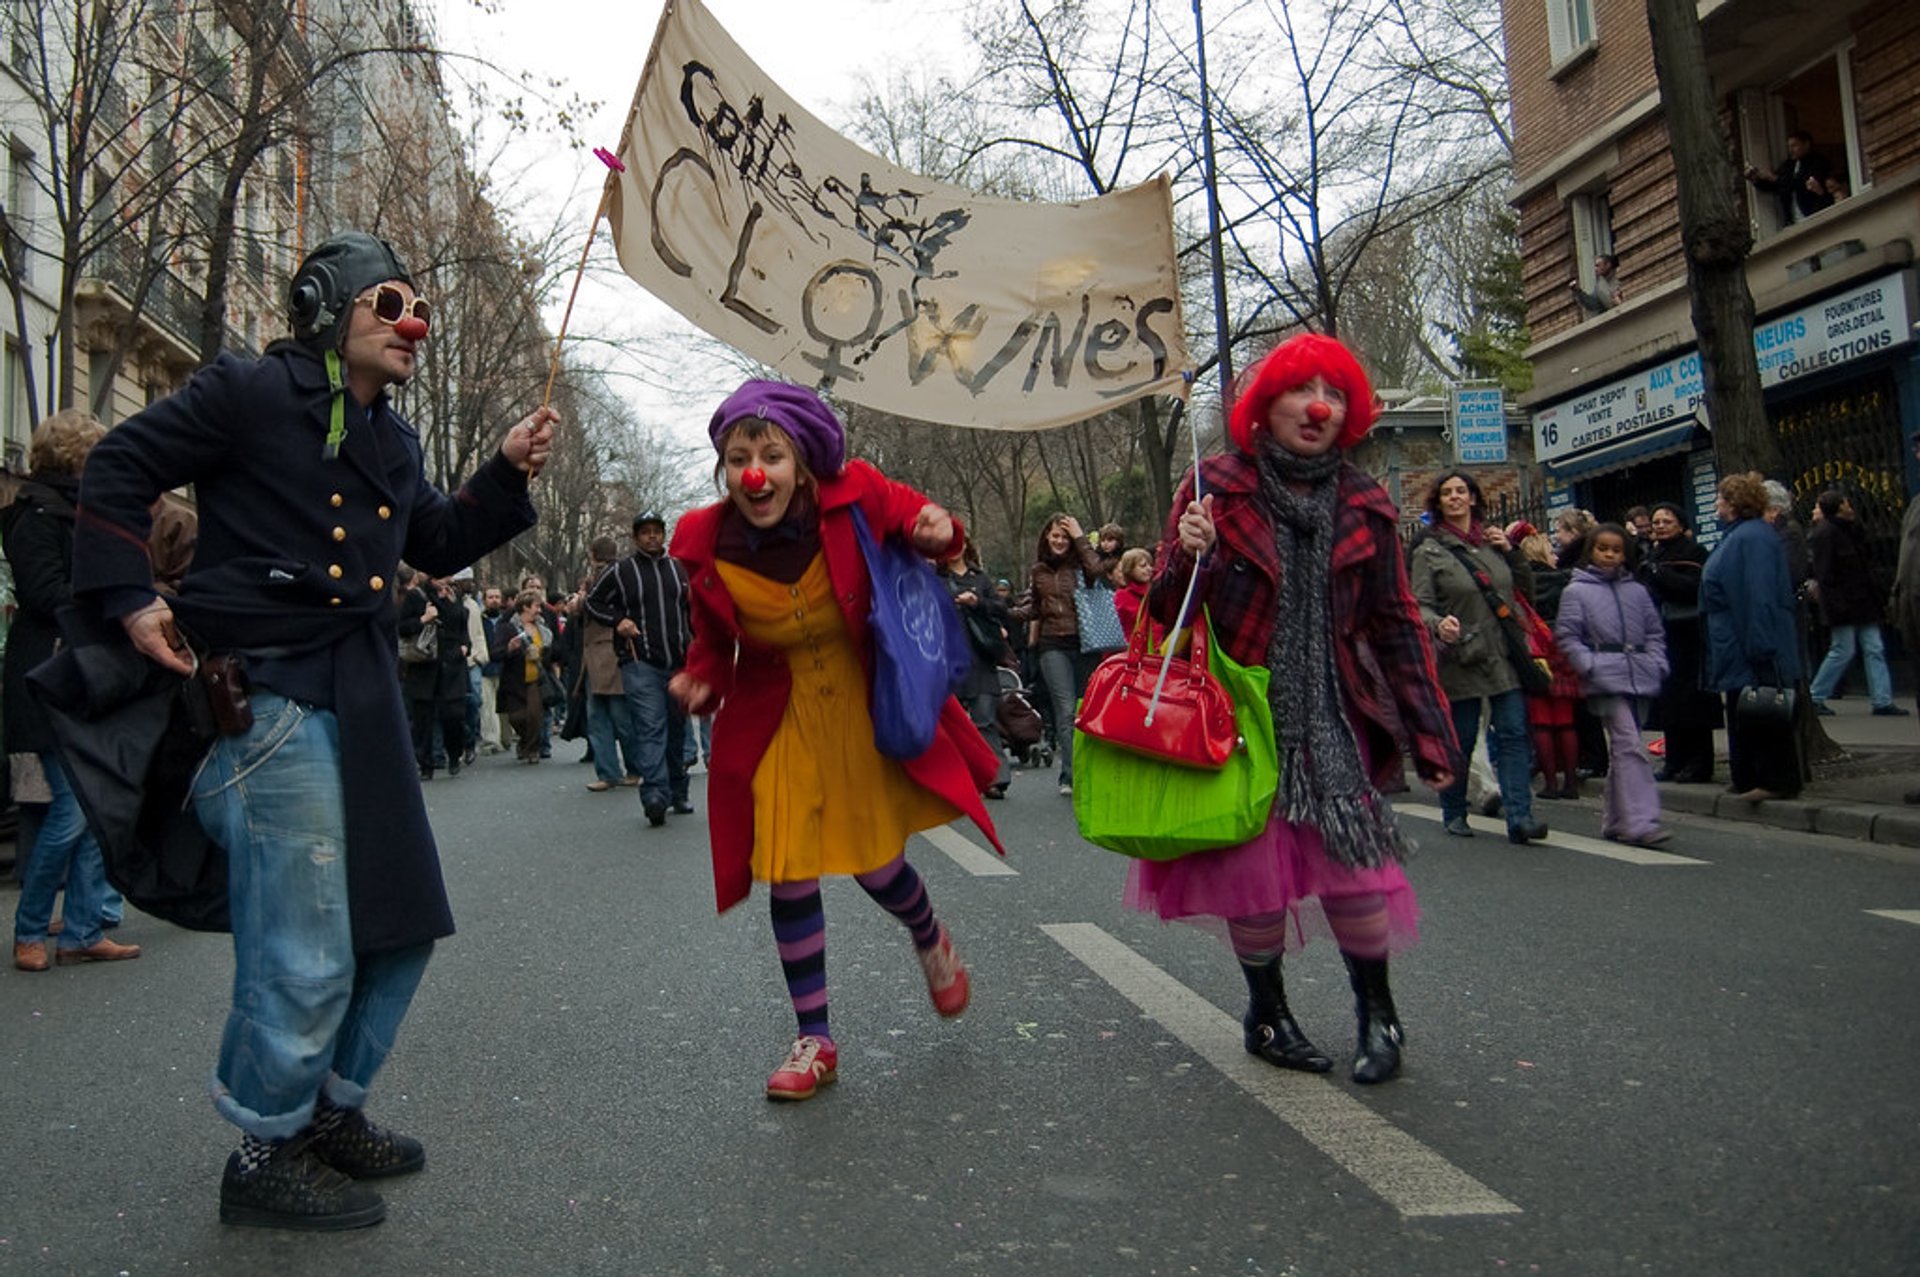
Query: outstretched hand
932	530
530	441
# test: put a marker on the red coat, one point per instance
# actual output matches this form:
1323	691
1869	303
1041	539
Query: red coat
1128	601
751	681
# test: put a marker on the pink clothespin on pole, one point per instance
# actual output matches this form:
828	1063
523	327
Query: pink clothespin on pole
614	165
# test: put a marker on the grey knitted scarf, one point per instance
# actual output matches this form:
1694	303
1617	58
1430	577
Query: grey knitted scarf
1323	782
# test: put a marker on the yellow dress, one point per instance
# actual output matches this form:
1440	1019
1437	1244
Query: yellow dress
825	800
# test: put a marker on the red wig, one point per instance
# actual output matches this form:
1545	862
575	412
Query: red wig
1295	362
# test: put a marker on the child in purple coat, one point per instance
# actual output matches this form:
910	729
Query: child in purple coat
1609	628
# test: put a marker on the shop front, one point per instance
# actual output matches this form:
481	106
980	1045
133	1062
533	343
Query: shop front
1841	376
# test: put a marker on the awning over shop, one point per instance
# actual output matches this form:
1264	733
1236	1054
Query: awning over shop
1675	436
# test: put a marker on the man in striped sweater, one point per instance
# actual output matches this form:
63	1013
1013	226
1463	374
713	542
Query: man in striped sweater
644	599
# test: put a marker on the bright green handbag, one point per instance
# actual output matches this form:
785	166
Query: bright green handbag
1139	806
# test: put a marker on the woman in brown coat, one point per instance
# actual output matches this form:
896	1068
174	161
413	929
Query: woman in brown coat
1063	560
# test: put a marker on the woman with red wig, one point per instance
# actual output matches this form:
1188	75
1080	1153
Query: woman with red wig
1297	554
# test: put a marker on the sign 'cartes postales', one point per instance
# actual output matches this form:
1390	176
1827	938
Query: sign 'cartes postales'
846	273
1863	321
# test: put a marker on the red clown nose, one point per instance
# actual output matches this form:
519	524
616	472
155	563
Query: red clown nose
753	479
411	327
1318	412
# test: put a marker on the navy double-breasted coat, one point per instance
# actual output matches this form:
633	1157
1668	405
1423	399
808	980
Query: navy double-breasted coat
296	556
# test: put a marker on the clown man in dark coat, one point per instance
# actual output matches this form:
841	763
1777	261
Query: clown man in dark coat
311	490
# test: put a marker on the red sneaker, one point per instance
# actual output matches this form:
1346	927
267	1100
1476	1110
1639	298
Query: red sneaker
809	1066
947	982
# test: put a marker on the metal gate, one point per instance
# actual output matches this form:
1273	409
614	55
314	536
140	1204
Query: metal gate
1849	437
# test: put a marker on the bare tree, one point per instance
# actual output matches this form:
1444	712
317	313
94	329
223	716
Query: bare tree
295	72
104	173
1716	237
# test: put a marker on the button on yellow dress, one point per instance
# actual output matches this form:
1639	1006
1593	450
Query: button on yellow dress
825	800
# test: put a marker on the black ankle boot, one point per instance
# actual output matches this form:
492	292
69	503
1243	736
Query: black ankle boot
1380	1031
1271	1032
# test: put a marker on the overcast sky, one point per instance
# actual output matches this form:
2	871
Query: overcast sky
817	50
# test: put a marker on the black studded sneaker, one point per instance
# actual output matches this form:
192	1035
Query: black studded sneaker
352	1145
294	1189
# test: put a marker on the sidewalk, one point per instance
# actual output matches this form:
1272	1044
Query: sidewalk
1857	796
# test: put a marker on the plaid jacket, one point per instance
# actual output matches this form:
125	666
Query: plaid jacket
1382	654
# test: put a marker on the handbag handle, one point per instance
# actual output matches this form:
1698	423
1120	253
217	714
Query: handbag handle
1186	601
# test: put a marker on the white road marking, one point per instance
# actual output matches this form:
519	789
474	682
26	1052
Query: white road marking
1898	915
976	860
1568	842
1409	1176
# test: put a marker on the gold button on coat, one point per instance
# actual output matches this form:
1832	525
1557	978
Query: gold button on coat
335	500
335	571
386	512
339	534
378	582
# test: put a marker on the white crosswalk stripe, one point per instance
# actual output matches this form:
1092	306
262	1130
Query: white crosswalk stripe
1409	1176
970	856
1567	842
1898	915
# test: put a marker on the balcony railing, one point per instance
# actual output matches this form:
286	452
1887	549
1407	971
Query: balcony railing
170	303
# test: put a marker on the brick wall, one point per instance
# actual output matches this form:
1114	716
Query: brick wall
1550	115
1886	86
1640	188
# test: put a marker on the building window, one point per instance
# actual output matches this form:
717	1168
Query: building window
1799	129
100	385
20	206
14	417
1592	218
1569	27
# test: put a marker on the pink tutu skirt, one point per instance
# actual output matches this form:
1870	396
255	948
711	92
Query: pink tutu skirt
1282	869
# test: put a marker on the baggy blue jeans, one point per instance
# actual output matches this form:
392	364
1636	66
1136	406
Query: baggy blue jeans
1512	761
307	1015
610	736
661	727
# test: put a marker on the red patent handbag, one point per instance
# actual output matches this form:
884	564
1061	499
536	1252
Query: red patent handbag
1191	725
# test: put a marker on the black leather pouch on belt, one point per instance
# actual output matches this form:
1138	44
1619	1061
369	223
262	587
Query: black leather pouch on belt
224	675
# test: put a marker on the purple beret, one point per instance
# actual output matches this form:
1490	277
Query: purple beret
815	431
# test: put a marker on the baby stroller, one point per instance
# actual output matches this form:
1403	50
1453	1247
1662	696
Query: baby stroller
1020	725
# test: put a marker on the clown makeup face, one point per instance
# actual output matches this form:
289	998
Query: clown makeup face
381	352
761	475
1307	420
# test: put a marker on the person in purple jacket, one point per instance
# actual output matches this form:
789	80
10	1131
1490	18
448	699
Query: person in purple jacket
1609	629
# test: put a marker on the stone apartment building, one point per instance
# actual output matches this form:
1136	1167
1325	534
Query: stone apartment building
1617	417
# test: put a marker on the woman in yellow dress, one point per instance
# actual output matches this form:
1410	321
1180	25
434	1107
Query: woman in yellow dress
797	789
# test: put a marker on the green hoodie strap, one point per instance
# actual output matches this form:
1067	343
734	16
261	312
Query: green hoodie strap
337	422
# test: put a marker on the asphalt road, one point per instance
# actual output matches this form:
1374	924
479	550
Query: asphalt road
1699	1065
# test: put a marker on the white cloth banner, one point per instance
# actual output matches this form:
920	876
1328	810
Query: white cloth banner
785	240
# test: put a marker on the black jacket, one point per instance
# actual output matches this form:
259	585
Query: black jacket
38	532
443	679
1844	573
